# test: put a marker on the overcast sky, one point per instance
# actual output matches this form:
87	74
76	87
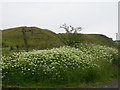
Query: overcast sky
94	17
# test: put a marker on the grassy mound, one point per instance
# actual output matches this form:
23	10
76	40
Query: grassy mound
59	66
37	38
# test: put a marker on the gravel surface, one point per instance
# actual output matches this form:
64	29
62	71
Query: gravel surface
114	84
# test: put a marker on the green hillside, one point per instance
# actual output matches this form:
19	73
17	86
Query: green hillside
98	39
75	60
38	38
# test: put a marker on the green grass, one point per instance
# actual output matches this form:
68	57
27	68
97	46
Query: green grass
60	67
43	39
97	39
47	47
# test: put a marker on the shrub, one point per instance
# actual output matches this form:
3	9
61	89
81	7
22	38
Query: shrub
70	39
58	65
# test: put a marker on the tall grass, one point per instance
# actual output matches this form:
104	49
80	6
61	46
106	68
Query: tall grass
59	65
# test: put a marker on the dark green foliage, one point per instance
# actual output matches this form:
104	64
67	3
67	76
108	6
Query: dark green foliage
70	39
91	75
116	60
17	48
11	48
97	39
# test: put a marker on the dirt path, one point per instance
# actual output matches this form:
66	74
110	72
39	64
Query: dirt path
114	84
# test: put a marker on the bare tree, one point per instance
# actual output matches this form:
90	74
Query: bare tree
64	26
72	37
77	29
71	29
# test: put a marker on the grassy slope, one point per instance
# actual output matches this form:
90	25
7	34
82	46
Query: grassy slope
94	39
43	39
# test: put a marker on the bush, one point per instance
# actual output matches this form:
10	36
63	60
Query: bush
58	65
116	61
11	48
70	39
